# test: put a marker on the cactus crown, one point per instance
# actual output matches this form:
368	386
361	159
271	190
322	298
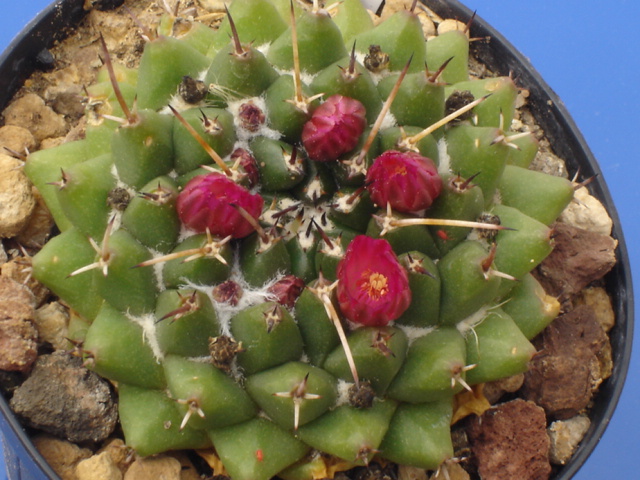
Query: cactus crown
283	252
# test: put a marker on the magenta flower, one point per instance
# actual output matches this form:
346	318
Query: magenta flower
334	128
211	202
406	180
373	288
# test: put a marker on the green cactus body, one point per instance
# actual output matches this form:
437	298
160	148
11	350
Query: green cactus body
201	385
498	349
186	321
54	264
292	309
214	125
424	281
452	45
44	169
319	41
350	433
378	354
420	435
143	149
420	101
151	216
257	21
434	361
175	58
497	110
278	390
530	307
152	423
84	192
257	449
399	36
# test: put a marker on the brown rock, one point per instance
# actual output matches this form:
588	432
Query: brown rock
16	198
120	453
67	101
510	442
18	334
19	269
52	321
17	139
61	455
153	468
65	399
564	375
188	470
98	467
579	257
18	345
600	302
30	112
493	391
38	228
16	301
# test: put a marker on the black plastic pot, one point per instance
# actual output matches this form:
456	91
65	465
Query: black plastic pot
28	52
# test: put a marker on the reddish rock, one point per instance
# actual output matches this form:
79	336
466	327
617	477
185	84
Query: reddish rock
510	441
564	375
18	344
579	257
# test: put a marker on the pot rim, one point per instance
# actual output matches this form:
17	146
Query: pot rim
28	50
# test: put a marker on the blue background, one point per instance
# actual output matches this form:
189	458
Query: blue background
589	53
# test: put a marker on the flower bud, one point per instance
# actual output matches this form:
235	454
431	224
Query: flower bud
406	180
210	202
334	128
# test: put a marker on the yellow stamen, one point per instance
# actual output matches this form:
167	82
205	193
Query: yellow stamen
374	284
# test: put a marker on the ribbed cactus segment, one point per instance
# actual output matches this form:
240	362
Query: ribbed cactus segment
350	433
319	43
163	64
61	256
420	435
151	216
296	256
498	349
400	37
143	150
83	194
151	422
119	350
257	449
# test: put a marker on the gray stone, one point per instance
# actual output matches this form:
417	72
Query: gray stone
65	399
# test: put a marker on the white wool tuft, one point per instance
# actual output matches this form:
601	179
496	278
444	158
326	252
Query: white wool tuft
148	324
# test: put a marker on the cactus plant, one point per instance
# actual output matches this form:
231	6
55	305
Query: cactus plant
305	266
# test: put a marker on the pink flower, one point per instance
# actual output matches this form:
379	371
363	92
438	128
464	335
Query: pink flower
406	180
334	128
373	288
208	202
